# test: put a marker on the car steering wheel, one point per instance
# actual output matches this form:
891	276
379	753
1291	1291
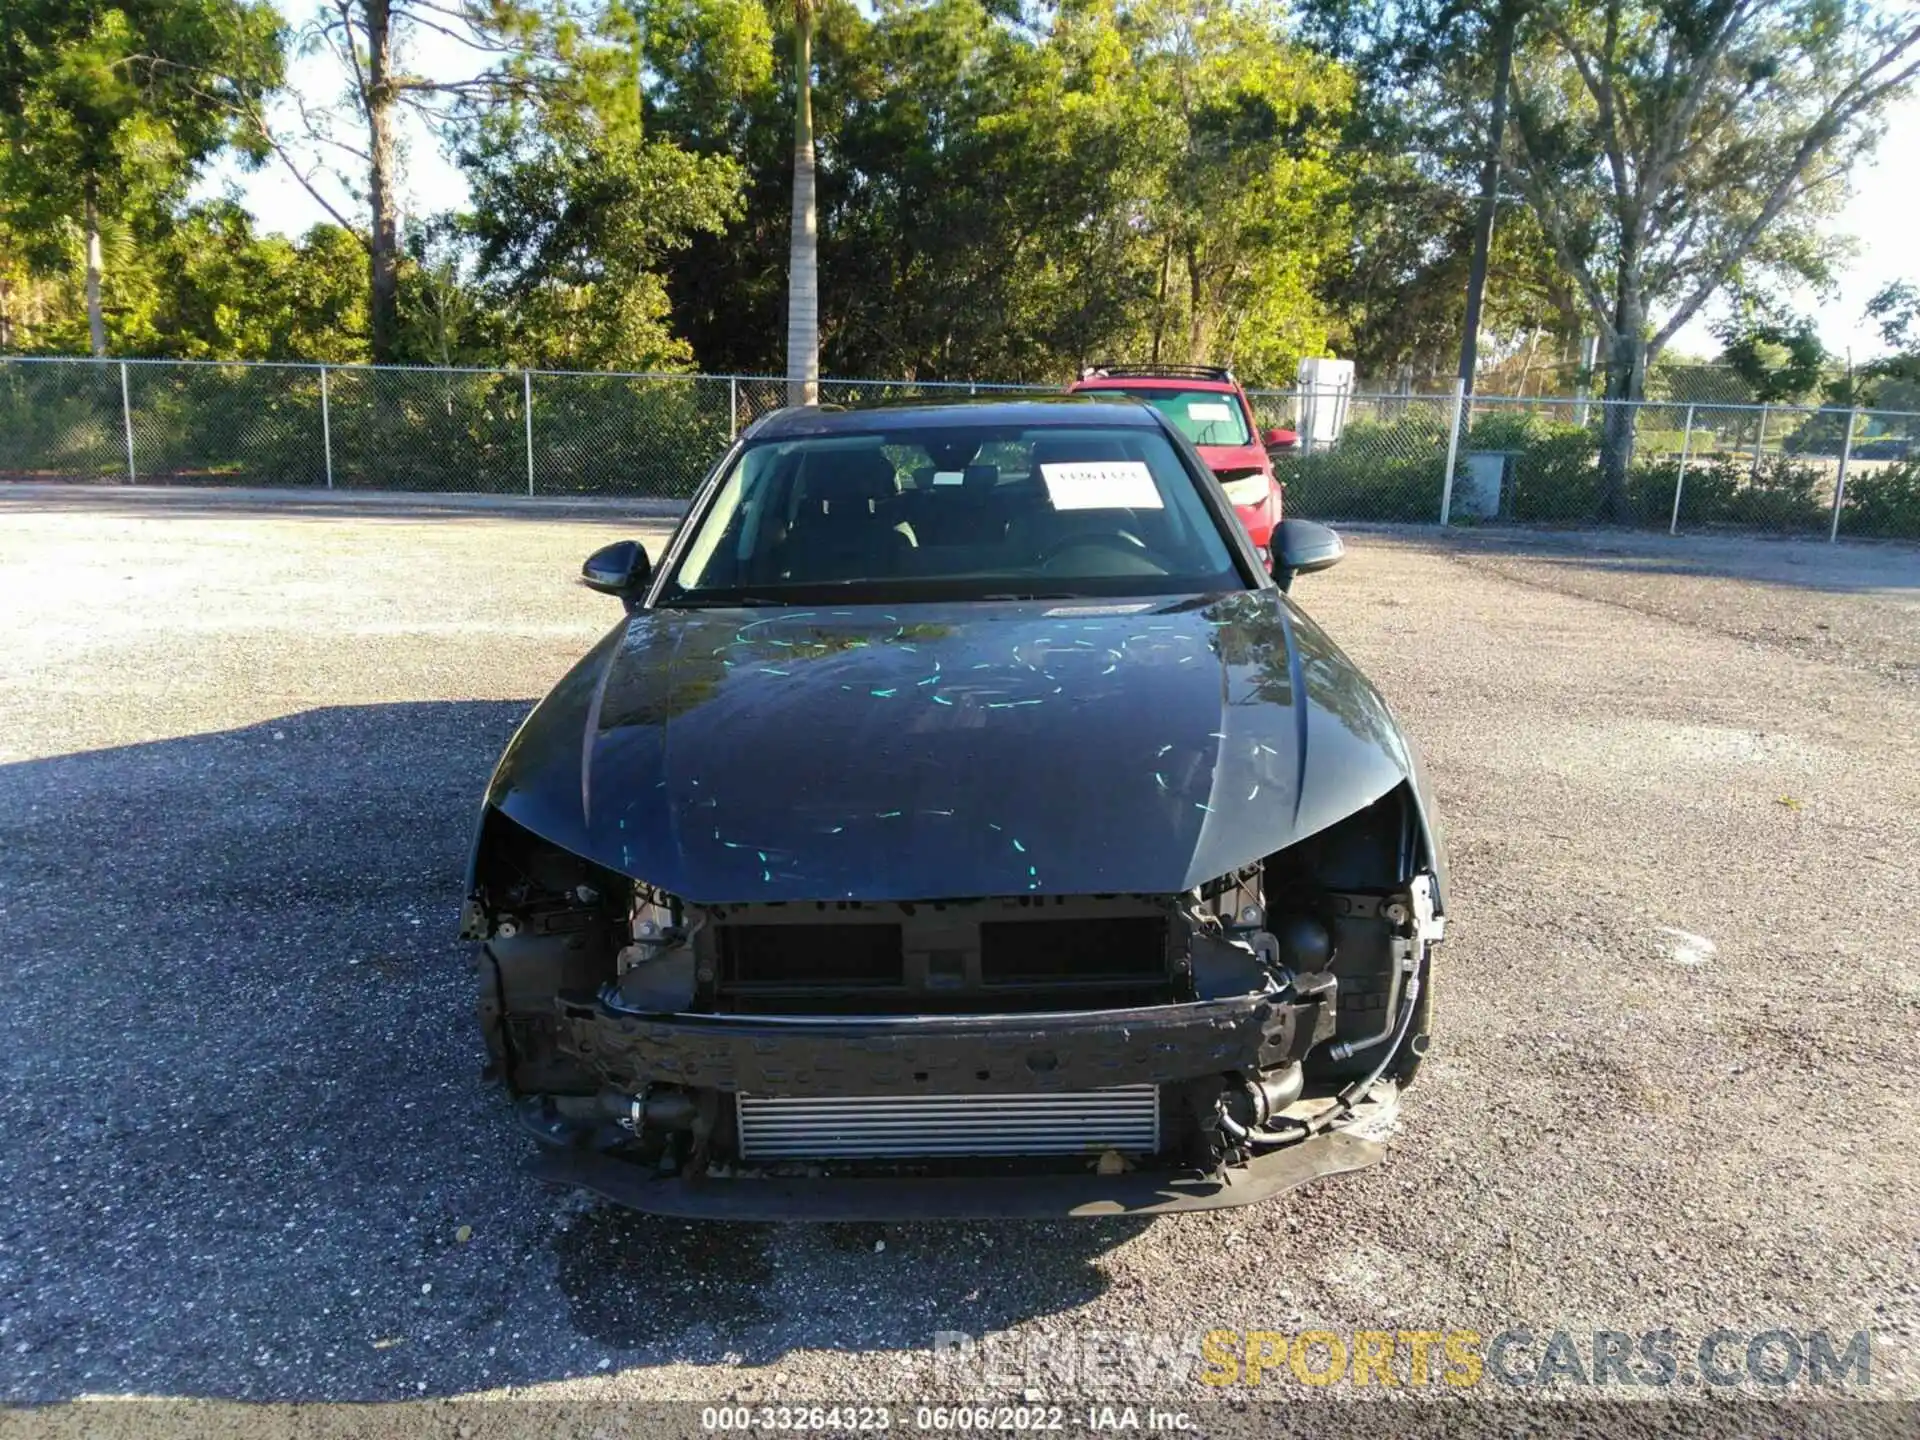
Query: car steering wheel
1123	541
1118	540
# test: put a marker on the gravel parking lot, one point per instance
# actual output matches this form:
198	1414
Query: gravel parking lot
245	1152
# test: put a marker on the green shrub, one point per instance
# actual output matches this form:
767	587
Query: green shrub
1727	490
626	435
1780	494
1501	430
227	424
1351	484
1556	476
1884	502
61	422
1704	499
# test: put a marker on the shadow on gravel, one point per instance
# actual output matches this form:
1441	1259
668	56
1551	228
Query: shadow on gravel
246	1152
1850	567
636	1280
213	502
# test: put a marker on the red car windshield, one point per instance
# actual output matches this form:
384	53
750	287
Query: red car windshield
1206	417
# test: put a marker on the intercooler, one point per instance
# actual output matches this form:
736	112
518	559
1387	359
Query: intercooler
1126	1118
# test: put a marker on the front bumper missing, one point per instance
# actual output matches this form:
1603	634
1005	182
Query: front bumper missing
1027	1197
943	1054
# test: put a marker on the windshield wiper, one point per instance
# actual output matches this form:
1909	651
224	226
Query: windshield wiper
696	601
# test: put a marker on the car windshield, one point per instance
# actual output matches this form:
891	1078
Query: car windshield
1206	417
973	512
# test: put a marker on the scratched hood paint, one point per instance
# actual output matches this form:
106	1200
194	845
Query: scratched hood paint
934	751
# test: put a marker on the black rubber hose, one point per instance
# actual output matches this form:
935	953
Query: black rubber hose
1344	1102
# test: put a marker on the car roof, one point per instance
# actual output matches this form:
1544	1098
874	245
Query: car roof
1155	382
1049	412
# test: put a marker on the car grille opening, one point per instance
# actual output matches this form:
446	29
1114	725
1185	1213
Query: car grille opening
941	959
872	1127
1094	952
768	960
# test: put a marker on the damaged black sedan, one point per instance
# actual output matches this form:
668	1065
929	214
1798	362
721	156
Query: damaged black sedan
961	822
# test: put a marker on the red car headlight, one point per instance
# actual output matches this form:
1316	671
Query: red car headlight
1247	490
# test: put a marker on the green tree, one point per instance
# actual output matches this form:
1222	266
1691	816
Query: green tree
110	110
1895	307
1672	148
979	172
1416	139
718	80
1780	359
226	293
999	198
571	226
1892	381
521	52
1243	191
711	79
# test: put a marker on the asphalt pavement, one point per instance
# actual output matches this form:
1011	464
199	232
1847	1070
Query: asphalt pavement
246	1153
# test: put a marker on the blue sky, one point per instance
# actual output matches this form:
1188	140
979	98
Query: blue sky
1882	216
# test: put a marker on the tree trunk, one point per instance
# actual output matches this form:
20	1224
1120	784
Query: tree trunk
1489	201
1197	327
96	317
1626	383
384	251
1160	298
803	263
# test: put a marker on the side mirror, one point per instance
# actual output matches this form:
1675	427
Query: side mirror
1278	439
1301	547
621	568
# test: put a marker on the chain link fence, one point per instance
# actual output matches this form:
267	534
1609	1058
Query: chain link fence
1768	469
1780	470
1359	457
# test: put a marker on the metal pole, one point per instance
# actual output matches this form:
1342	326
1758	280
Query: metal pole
733	407
1840	483
526	395
1759	439
1453	447
326	425
1589	358
126	419
1686	444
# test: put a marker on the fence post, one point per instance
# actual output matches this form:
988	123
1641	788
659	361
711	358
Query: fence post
326	426
1759	439
1840	482
733	407
126	419
1453	447
526	406
1686	444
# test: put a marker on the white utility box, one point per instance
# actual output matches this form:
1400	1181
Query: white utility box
1479	483
1325	390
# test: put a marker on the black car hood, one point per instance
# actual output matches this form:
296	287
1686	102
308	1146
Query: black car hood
935	751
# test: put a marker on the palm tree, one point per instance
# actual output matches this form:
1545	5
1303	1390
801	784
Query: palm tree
803	263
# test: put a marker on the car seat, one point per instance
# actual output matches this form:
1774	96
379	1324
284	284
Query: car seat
843	527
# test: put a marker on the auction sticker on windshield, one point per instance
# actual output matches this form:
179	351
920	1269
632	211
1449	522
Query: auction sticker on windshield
1101	485
1209	410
